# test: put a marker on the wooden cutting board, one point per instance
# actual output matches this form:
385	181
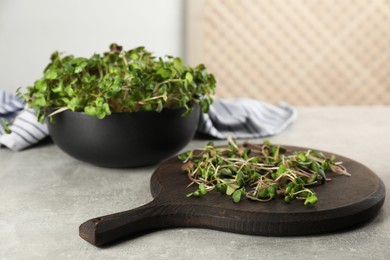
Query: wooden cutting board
343	202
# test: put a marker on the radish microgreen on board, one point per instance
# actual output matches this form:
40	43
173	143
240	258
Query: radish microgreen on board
260	172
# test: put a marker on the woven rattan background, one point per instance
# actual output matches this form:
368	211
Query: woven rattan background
304	52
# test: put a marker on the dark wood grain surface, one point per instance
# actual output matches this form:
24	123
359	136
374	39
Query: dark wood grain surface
343	202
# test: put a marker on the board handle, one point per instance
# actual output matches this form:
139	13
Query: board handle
105	229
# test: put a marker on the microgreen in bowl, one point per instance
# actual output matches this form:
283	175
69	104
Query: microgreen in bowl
118	81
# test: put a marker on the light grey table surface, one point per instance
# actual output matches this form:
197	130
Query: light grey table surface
45	195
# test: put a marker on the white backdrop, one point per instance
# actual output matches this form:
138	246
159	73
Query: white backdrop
31	30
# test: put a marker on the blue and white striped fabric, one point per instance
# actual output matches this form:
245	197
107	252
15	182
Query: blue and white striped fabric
241	118
246	118
25	130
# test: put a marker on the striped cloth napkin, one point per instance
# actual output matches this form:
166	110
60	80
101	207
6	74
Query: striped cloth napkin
245	118
25	129
241	118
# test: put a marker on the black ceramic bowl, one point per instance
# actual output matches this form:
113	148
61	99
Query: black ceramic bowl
124	139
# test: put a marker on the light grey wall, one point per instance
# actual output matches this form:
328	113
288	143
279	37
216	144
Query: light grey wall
31	30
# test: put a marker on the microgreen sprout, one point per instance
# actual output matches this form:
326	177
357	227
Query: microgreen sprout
6	126
260	172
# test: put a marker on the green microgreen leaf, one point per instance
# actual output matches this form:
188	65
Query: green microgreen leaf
311	200
230	188
164	73
51	74
202	189
90	110
189	77
237	196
